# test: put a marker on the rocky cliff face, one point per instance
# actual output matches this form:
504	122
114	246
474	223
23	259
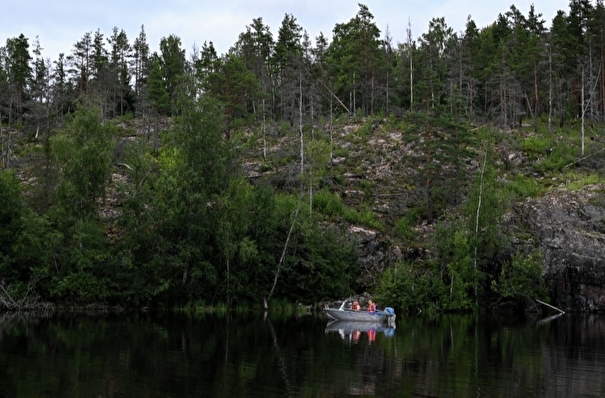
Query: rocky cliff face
570	227
383	169
375	253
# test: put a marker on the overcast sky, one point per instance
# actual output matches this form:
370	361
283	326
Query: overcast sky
59	24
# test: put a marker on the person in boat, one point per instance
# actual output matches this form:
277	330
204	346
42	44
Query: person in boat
356	306
371	306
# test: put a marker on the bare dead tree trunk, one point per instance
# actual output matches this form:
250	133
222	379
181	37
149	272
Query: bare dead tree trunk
228	282
13	298
264	132
550	306
6	151
549	90
300	124
387	95
264	110
354	105
585	104
1	144
480	199
583	109
536	99
337	99
281	260
409	37
331	137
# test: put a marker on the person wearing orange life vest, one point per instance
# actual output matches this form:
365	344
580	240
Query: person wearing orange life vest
371	306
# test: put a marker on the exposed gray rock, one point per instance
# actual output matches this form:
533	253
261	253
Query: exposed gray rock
570	227
374	253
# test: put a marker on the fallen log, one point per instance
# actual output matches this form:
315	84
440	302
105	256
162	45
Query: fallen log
550	306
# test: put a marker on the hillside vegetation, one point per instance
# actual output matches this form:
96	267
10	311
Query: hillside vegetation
283	172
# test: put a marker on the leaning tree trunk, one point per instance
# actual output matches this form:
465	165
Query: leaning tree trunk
479	200
281	261
300	125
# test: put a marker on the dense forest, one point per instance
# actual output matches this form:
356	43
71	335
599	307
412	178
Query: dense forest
123	181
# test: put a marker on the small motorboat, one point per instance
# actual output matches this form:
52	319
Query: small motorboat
347	314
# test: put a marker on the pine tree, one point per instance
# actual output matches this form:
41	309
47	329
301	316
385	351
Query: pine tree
63	91
40	91
536	59
205	63
432	66
355	58
140	61
235	86
562	60
256	47
121	53
80	62
288	51
172	64
156	87
469	76
4	86
19	74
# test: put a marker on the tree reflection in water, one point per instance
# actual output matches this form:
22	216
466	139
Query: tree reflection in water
278	355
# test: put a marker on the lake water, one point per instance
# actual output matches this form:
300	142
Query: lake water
168	355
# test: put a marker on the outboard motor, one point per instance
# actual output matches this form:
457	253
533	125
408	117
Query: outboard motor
390	316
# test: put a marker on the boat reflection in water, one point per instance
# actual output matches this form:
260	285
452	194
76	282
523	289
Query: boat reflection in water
353	331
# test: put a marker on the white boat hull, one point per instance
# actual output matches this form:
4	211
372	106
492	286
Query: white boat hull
359	316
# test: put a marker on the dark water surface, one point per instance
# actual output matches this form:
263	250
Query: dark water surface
168	355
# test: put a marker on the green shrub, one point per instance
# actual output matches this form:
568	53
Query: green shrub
577	181
284	160
558	157
265	166
404	227
328	203
554	163
366	186
524	187
522	277
126	117
537	145
409	287
340	152
364	217
392	121
363	133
